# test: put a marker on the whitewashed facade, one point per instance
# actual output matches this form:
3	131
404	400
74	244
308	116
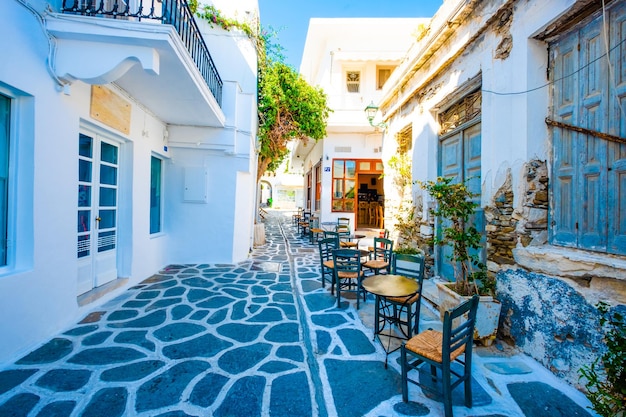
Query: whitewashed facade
119	156
496	92
350	59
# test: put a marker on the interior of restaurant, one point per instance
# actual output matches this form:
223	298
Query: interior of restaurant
370	201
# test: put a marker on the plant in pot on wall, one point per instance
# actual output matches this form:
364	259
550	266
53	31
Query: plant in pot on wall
455	209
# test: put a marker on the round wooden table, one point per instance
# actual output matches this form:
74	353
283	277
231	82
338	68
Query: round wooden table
388	286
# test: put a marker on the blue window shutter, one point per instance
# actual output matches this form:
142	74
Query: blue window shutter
450	166
616	159
460	159
617	198
564	183
593	151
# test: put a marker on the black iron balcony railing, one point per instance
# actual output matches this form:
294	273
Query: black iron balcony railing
170	12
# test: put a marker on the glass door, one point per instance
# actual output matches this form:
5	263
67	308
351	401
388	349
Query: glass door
98	166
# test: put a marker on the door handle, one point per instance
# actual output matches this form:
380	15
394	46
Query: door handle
98	219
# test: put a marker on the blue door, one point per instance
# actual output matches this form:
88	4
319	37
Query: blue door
460	155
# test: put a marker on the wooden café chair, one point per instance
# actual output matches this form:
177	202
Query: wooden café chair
440	350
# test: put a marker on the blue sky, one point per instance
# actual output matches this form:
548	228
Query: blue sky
291	17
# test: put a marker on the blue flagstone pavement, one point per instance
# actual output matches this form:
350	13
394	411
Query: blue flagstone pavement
261	338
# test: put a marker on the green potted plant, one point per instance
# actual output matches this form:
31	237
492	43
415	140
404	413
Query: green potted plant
455	208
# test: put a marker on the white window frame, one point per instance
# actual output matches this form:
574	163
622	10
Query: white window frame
20	199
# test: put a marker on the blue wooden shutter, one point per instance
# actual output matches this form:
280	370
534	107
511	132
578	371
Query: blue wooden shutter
471	168
592	158
589	173
616	159
450	166
460	159
564	208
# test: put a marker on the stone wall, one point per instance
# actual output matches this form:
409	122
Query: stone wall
550	317
501	227
550	321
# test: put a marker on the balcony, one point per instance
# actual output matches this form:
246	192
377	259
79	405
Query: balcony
153	49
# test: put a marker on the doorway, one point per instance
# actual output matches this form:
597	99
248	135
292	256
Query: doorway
98	174
370	199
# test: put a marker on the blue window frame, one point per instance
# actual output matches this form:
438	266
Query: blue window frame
156	172
5	123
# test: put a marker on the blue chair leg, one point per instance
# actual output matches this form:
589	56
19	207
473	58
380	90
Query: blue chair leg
447	392
405	382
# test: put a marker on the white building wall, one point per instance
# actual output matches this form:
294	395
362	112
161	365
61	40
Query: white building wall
38	291
333	47
536	285
39	296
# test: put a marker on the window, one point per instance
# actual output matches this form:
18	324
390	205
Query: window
155	195
353	81
309	184
382	75
405	140
5	121
318	185
460	113
588	200
344	182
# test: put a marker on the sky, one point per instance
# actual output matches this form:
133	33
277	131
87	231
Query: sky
290	18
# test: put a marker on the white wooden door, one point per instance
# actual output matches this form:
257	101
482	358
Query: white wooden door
98	166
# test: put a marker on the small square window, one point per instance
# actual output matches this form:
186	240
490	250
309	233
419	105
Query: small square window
382	75
353	81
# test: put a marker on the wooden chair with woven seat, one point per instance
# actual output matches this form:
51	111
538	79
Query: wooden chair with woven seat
373	213
303	224
383	233
440	350
315	231
348	274
343	220
333	234
297	216
344	232
380	257
363	212
404	312
327	266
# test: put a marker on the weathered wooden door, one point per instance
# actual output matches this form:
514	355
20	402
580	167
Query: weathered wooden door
460	158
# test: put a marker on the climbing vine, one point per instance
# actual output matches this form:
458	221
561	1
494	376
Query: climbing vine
288	107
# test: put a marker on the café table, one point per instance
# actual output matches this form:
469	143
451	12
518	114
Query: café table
388	285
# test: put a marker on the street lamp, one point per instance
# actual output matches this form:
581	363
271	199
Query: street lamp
370	112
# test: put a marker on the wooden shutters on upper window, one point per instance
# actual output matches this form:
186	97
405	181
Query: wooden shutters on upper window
382	75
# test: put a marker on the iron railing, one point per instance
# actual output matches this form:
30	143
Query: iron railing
169	12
